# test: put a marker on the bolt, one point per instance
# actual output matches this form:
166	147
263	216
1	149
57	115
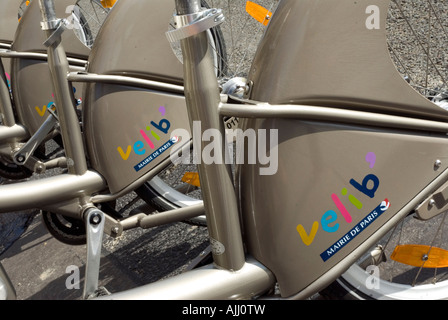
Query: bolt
95	219
431	203
115	230
437	164
40	168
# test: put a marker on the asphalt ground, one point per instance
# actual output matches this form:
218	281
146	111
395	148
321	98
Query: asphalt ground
42	268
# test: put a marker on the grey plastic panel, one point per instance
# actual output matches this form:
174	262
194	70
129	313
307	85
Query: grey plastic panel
127	126
30	79
320	52
332	180
9	20
133	42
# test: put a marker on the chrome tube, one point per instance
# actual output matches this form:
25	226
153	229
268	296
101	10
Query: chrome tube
202	97
142	220
12	134
59	69
74	62
7	291
39	193
206	283
304	112
124	80
188	6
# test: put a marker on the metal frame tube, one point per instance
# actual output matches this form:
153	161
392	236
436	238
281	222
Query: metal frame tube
39	193
12	134
207	283
68	119
79	63
5	99
124	80
7	291
187	6
145	221
302	112
202	97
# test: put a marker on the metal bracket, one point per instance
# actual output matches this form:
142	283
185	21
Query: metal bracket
435	204
94	227
21	156
60	25
191	24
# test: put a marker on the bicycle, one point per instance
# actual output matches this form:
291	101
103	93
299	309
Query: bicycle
25	100
64	194
24	109
330	119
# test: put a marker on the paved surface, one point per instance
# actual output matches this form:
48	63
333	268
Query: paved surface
37	262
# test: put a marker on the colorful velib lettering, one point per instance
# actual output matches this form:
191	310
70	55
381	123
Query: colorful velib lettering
41	111
150	135
330	220
8	80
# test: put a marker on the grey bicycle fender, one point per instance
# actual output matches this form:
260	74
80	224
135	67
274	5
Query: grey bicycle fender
132	42
347	183
9	20
327	56
128	128
30	78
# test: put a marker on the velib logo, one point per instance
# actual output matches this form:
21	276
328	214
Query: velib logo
51	105
8	80
150	135
331	219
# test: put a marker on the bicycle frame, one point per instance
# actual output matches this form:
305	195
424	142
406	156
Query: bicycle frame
27	119
308	234
297	234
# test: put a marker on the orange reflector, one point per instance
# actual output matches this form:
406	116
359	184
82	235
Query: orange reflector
259	13
420	255
27	3
108	3
191	178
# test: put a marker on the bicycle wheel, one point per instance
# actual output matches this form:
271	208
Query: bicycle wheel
241	34
402	265
86	19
